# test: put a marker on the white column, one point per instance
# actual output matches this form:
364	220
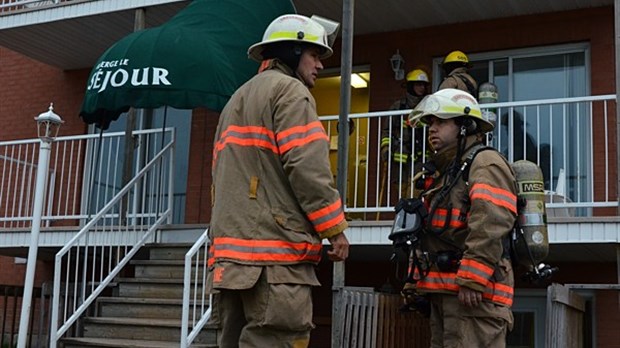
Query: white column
39	196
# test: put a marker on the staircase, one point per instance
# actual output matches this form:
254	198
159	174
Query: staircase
144	310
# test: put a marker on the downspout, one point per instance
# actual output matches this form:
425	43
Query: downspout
343	154
130	126
617	74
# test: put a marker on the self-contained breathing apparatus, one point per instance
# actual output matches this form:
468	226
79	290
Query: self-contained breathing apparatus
405	235
529	241
527	244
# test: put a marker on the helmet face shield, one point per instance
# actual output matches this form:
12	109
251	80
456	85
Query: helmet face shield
448	104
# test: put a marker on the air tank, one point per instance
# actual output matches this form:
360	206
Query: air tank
531	215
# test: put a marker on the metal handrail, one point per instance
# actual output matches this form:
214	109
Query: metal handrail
69	176
557	134
105	246
200	270
19	4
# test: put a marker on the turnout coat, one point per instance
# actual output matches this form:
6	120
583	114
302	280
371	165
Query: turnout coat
273	197
473	221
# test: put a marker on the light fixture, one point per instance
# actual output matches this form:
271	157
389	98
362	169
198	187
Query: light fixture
357	81
398	65
48	124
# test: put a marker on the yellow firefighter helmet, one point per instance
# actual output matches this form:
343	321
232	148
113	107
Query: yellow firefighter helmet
456	57
417	75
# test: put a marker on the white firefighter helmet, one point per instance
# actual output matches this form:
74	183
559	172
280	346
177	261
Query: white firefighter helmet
297	28
446	104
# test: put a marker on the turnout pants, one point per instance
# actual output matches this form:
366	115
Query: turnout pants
266	315
456	326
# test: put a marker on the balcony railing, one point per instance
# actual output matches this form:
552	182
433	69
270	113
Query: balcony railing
571	139
85	173
16	5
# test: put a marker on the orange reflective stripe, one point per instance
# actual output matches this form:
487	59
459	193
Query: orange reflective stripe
497	196
211	260
270	257
441	215
264	250
300	136
442	281
476	270
245	136
327	217
438	281
499	293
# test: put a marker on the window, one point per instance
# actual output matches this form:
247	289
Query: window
541	134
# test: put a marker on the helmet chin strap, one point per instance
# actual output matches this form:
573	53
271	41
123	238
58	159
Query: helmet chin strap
460	148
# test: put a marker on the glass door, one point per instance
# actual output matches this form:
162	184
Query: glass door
104	160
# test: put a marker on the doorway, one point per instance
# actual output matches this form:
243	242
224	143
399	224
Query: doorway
327	95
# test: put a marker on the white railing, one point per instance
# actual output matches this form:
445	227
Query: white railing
85	173
89	262
194	291
14	5
571	139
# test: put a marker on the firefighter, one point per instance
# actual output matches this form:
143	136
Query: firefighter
400	147
455	68
462	265
273	199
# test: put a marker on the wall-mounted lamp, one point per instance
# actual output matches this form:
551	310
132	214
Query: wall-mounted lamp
398	65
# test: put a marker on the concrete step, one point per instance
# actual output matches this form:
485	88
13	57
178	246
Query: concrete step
168	251
152	288
177	234
80	342
134	307
142	329
164	269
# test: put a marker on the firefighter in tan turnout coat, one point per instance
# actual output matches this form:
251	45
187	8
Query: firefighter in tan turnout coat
463	267
273	199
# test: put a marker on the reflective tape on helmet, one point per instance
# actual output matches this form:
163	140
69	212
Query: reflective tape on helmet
293	35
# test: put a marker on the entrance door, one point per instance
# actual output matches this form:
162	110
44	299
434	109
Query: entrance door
110	157
327	95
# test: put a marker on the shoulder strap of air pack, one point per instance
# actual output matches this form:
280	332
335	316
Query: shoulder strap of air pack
470	86
470	158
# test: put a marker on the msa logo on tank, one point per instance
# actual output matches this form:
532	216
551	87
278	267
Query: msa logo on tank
532	187
114	74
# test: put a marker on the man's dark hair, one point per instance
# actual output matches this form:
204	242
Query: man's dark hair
286	51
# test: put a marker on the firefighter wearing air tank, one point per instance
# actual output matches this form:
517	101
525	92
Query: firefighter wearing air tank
400	145
462	264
